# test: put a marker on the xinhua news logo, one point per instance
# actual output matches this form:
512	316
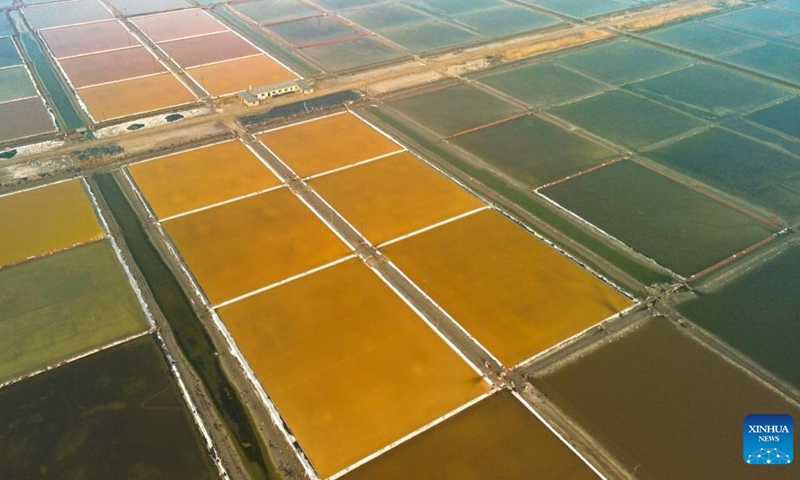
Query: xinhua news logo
768	439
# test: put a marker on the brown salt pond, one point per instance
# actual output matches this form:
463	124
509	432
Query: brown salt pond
497	438
667	406
30	118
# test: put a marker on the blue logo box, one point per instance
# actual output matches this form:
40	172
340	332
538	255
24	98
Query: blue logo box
768	439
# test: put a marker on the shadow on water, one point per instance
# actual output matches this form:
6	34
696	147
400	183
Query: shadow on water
192	337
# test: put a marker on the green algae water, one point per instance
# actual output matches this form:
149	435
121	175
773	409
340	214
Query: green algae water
115	414
759	314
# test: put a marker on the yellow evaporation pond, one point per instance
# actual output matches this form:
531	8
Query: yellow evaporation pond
349	365
514	293
394	196
126	97
198	178
240	74
326	144
46	219
239	247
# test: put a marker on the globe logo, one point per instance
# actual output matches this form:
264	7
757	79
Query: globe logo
767	456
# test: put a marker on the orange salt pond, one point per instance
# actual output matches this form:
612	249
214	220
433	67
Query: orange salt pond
327	143
241	74
349	365
239	247
128	97
517	295
393	196
190	180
